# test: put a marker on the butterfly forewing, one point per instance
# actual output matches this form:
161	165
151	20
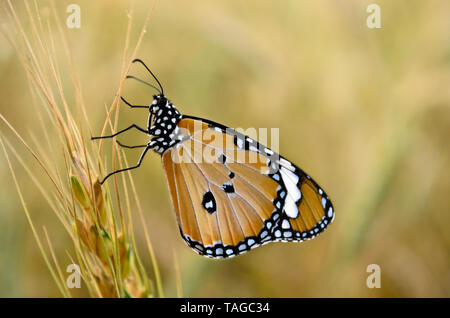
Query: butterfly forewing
229	198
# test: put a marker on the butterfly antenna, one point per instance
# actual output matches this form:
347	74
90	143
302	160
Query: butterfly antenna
140	61
144	82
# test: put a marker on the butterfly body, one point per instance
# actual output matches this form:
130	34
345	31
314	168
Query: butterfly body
163	127
230	193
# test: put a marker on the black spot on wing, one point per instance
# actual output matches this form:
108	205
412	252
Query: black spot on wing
209	202
228	187
240	141
222	159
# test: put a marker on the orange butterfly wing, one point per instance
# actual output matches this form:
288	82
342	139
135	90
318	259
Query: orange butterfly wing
226	203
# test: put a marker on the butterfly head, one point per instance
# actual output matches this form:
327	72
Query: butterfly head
163	109
159	102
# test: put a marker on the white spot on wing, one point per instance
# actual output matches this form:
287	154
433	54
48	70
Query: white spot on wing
286	164
324	202
330	212
290	208
240	143
290	181
253	148
289	176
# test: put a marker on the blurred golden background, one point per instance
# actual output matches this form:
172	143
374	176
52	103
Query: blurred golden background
364	111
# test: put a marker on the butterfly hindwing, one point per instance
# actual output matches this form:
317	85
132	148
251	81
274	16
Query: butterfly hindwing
232	194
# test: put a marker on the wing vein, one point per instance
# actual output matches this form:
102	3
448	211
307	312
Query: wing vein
193	207
177	194
238	194
231	203
217	218
312	212
240	176
237	219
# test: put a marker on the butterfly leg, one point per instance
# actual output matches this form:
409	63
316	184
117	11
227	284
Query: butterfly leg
130	147
123	130
132	106
129	168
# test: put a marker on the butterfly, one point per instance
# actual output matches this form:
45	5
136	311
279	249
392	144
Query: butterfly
230	193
